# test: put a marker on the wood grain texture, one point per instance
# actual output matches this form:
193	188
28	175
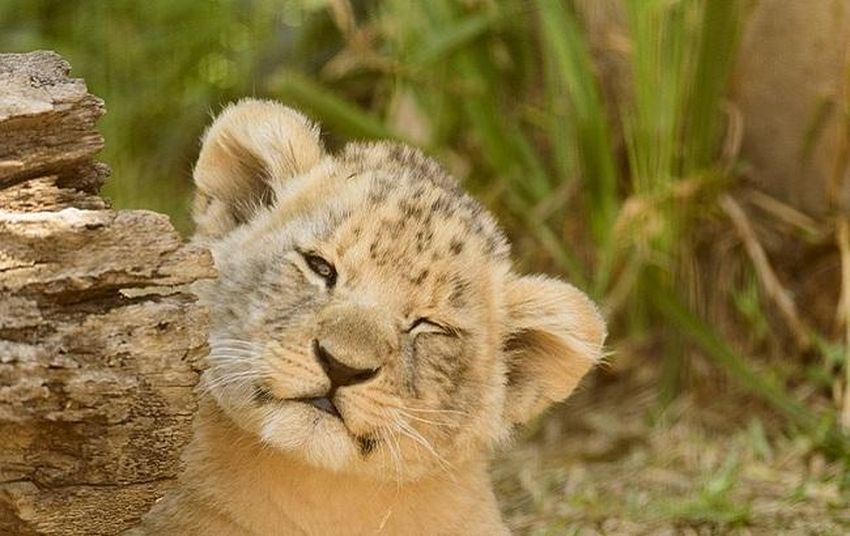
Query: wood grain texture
100	342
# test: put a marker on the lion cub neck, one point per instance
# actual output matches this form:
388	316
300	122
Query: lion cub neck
233	485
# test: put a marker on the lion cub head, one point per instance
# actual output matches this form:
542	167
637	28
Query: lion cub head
366	317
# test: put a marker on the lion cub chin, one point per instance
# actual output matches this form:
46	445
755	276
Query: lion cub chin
370	341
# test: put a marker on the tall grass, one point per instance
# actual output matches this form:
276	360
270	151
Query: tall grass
162	66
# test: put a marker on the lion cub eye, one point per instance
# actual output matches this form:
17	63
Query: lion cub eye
426	325
322	268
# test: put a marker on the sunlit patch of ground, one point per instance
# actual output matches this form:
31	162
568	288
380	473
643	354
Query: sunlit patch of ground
602	464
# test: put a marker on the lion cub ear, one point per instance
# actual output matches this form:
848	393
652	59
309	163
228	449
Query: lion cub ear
251	145
555	335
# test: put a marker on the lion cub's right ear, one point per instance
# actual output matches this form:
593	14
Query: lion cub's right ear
251	145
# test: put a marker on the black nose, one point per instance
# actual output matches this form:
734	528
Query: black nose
340	374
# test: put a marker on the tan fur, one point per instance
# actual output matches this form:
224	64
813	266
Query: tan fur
408	452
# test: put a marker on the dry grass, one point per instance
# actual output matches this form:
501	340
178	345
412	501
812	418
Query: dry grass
600	466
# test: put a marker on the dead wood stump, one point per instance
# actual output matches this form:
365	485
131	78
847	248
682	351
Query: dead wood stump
100	343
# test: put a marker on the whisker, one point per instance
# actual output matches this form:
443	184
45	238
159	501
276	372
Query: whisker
220	339
395	454
230	376
232	355
411	432
230	358
227	379
434	410
414	434
428	421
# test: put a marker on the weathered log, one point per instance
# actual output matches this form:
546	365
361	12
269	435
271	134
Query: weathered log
100	343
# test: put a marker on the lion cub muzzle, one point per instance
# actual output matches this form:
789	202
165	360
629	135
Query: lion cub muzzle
352	345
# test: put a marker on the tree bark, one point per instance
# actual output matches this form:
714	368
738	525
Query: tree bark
100	342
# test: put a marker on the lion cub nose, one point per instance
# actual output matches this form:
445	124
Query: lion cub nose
340	374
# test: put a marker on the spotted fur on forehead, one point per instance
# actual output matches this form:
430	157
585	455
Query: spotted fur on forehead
424	196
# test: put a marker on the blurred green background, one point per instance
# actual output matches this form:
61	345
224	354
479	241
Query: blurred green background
613	159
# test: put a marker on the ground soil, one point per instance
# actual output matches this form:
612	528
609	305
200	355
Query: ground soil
609	462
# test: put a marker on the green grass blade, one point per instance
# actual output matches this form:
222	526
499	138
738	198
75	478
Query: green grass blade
458	36
334	111
713	346
586	126
720	34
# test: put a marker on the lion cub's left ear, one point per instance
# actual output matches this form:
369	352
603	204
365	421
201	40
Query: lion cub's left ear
555	335
251	145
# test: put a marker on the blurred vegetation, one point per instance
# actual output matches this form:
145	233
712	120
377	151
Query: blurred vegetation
163	67
612	163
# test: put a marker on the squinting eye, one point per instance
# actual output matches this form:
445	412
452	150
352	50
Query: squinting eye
322	268
425	325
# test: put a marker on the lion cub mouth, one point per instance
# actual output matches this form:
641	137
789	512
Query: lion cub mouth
322	403
262	395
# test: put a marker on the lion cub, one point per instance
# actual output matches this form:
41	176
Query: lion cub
370	343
